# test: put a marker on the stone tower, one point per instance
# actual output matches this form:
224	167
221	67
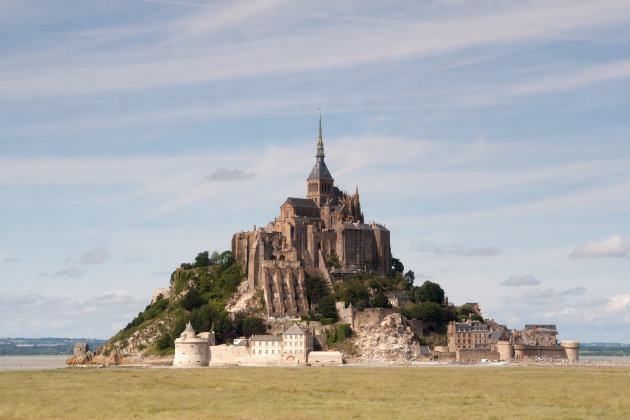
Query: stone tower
319	185
572	349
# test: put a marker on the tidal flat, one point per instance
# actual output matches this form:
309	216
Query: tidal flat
317	393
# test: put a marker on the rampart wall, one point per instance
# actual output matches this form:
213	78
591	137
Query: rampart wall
475	355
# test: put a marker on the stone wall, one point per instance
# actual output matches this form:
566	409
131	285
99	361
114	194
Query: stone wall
475	355
325	358
228	355
546	352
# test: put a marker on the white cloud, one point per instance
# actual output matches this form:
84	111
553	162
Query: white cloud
175	61
95	256
33	314
597	311
517	281
455	249
70	272
222	174
615	246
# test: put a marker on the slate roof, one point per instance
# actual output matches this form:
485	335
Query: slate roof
265	337
496	335
425	351
302	202
320	171
295	330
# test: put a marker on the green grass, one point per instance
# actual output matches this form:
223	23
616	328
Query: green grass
349	392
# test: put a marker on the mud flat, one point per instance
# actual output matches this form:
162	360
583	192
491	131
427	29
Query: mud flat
32	362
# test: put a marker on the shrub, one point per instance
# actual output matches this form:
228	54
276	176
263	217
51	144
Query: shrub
340	333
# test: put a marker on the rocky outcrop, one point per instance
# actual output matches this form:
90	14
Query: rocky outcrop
385	341
90	359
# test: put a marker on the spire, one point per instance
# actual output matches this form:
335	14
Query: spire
320	140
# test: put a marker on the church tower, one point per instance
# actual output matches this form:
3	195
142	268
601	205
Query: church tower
319	184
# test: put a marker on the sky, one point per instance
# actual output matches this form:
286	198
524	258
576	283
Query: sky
492	138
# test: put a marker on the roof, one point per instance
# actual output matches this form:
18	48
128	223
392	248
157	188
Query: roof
320	171
189	327
302	202
295	330
81	345
540	326
496	335
425	350
265	337
397	294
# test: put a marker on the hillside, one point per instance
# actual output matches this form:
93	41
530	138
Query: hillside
211	293
199	292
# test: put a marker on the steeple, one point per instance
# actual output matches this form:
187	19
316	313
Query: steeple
320	140
319	184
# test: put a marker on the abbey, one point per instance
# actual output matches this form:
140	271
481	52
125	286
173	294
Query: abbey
326	226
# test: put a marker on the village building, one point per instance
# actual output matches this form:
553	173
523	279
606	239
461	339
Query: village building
325	227
398	298
81	349
467	335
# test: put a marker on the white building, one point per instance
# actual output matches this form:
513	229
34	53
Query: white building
193	350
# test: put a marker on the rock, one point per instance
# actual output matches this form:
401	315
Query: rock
389	340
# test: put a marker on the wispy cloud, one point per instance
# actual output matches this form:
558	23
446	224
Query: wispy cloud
223	174
615	246
34	314
69	272
95	256
455	249
517	281
307	50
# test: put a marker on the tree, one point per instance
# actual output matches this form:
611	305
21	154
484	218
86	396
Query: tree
380	300
326	307
409	279
315	288
202	259
192	300
356	292
333	260
254	325
397	266
426	311
186	266
430	292
215	259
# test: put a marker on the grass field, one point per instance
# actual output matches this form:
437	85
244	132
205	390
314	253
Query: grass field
349	392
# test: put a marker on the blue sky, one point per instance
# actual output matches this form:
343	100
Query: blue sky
491	137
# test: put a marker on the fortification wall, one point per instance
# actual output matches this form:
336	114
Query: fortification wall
475	355
228	355
546	352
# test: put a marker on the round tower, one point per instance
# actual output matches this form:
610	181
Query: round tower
191	350
506	350
572	349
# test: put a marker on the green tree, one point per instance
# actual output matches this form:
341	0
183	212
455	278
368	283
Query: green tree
426	311
253	325
192	300
354	291
430	292
380	300
202	259
333	260
315	288
409	279
326	307
397	266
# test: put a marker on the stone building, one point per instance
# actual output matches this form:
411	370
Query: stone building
467	335
296	344
327	225
398	298
193	350
81	349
